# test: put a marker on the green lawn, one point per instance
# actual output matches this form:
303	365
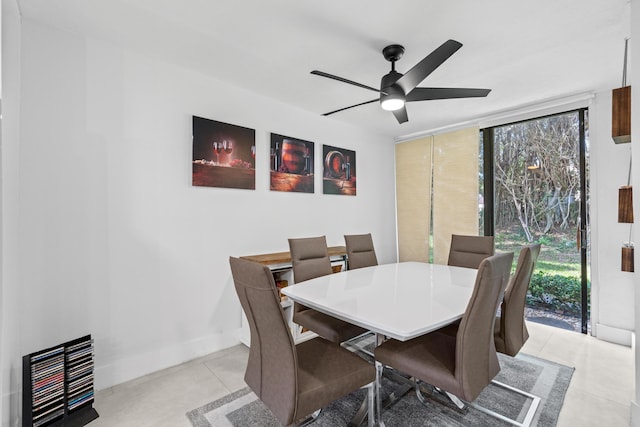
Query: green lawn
558	254
556	283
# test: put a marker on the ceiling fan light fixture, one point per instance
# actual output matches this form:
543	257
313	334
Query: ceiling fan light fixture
392	104
392	98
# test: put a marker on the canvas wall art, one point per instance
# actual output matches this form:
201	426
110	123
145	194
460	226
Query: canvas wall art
291	167
339	171
223	155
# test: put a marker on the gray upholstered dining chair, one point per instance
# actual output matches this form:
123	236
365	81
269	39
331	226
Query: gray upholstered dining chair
293	381
464	364
510	332
310	259
360	251
469	251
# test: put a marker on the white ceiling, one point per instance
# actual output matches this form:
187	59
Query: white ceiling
526	52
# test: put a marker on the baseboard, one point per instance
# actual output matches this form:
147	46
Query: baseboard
4	409
129	368
614	335
11	409
635	414
635	407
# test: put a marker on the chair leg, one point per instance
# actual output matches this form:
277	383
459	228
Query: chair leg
311	418
360	414
449	400
349	343
368	408
535	401
378	392
456	401
419	394
372	417
526	422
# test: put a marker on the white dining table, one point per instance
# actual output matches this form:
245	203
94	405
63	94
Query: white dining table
401	300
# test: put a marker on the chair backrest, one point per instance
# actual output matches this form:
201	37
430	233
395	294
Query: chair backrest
469	251
476	358
309	258
272	366
513	330
360	251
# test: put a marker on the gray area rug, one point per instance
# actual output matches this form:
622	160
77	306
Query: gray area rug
540	377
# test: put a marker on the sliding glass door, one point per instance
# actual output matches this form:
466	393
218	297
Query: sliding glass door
534	190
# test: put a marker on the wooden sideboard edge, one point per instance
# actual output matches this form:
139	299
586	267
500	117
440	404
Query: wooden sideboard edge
285	257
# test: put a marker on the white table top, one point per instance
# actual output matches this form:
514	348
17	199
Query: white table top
401	301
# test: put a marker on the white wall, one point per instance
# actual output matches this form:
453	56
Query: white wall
634	80
612	291
113	240
10	363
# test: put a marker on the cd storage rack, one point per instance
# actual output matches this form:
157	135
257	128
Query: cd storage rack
57	385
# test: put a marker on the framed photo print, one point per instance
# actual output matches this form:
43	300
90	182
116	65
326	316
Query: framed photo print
339	171
223	155
291	167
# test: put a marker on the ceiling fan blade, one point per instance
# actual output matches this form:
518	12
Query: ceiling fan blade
422	69
352	106
429	93
401	115
340	79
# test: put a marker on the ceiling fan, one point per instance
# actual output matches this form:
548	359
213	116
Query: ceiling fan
396	88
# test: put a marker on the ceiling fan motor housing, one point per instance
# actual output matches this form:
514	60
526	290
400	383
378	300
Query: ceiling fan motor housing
388	88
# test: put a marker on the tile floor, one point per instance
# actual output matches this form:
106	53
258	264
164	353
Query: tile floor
600	393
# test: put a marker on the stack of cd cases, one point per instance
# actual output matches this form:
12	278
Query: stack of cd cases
58	385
